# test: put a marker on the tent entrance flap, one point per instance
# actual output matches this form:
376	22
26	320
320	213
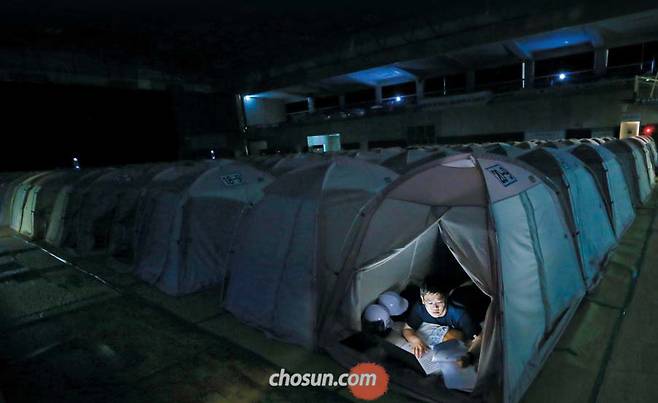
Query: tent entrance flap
454	261
439	251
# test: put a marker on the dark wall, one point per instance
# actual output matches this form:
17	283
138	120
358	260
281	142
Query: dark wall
44	125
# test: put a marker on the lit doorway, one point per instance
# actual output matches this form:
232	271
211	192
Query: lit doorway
324	143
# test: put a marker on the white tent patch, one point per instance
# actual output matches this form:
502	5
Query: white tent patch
502	174
233	179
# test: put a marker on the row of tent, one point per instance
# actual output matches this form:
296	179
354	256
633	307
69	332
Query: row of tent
299	245
170	224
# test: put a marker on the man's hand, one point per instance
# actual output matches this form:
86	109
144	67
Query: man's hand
466	360
418	347
453	334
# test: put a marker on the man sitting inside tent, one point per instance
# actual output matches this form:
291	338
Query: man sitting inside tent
454	322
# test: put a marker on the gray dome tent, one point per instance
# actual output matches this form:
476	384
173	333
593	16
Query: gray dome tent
287	254
646	151
489	210
582	200
128	210
615	190
99	204
65	209
187	228
633	163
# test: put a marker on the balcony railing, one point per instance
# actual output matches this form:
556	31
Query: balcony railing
400	103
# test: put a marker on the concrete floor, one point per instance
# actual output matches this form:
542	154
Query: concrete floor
83	332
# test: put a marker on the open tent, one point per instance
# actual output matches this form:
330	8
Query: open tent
288	251
67	204
581	196
610	175
9	184
19	198
187	235
633	163
508	231
41	199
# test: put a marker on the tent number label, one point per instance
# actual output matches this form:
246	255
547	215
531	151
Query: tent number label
232	179
502	174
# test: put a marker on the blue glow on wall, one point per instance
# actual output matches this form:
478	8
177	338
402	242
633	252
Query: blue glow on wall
386	75
555	40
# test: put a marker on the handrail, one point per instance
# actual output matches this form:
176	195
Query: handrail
358	109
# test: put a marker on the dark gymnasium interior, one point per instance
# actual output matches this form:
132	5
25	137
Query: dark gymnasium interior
234	202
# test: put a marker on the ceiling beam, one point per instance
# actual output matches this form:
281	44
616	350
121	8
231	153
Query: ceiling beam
514	48
598	41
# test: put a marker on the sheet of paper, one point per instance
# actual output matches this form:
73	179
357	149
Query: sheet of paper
455	377
432	334
396	338
442	360
429	365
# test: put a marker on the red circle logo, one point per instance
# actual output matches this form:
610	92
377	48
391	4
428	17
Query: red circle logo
368	381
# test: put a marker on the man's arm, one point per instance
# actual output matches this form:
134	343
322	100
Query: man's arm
418	347
473	340
474	348
473	353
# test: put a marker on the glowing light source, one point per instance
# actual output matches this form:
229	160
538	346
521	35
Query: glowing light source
562	76
248	97
212	154
649	130
398	98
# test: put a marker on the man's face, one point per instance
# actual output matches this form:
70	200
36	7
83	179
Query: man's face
435	303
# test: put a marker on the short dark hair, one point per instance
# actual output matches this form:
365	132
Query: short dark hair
433	285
